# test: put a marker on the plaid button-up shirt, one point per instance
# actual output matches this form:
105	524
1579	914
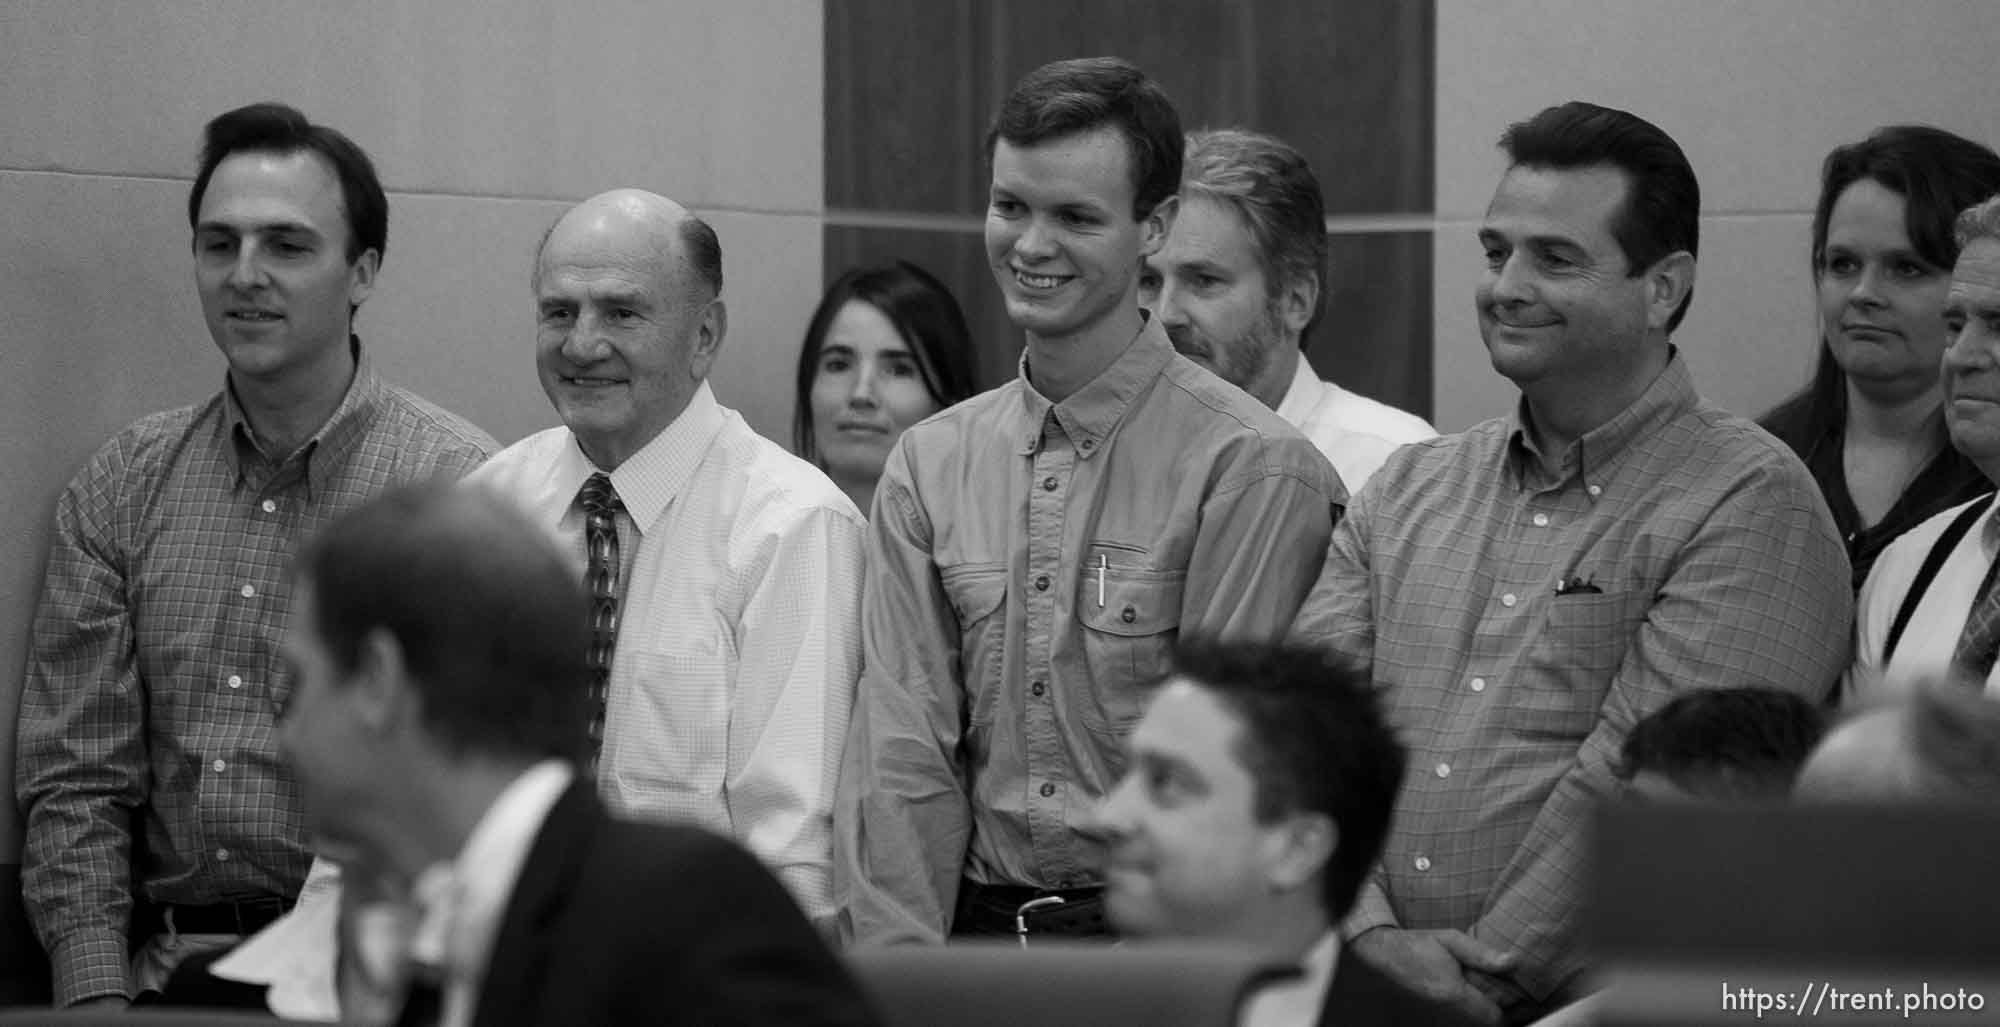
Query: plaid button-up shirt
1521	610
147	753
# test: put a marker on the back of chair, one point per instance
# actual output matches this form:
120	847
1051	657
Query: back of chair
1052	985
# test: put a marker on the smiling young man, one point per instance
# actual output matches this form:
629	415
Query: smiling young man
159	819
1238	288
1036	549
1524	592
726	573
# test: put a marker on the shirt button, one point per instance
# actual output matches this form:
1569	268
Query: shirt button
1129	615
1038	688
1048	790
222	855
219	766
1594	490
249	591
236	681
1422	863
1508	600
1479	684
1541	520
1088	444
1444	770
1042	583
1049	483
270	506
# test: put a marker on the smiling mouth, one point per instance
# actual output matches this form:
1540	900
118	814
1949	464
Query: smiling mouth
1042	282
860	429
592	383
255	316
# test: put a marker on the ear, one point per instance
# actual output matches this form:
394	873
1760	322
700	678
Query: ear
1153	230
1301	849
1668	282
1297	301
361	277
708	337
381	684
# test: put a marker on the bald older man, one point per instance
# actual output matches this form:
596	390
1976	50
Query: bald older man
1940	741
725	574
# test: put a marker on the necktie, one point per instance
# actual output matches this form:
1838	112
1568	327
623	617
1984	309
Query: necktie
600	536
1980	640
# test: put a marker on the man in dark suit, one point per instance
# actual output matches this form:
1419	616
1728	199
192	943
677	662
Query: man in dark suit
1256	798
437	650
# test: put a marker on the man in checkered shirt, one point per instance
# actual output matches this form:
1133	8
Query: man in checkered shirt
160	821
1524	592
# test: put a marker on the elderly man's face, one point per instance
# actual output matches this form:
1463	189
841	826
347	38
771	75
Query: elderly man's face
1972	361
627	333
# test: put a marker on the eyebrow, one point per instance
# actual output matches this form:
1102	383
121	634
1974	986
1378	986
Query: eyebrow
260	228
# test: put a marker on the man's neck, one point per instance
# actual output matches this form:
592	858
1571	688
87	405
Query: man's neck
1278	379
286	410
1893	418
1058	367
1567	410
442	814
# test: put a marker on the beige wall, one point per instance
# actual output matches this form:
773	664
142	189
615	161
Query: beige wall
1756	91
485	117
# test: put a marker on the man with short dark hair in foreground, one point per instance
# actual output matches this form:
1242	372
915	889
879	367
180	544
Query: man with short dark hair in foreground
1720	745
1254	803
434	739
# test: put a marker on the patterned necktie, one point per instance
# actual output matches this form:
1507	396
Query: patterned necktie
1980	640
600	535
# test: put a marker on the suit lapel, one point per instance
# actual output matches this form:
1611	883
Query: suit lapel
521	949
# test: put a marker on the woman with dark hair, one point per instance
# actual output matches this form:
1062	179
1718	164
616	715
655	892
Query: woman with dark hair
887	348
1870	426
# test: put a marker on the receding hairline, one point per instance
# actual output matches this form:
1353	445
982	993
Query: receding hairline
665	224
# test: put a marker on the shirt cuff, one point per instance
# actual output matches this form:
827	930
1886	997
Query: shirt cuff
1371	910
89	966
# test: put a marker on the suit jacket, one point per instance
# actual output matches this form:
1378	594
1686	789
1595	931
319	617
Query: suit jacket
615	922
1362	996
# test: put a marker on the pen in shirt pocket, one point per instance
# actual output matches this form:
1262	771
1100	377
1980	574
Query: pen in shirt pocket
1576	585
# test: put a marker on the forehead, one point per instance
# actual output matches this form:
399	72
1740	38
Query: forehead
1187	722
603	260
256	188
1975	279
863	327
1093	167
1210	231
1868	208
1579	204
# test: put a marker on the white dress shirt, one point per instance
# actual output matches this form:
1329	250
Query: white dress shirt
458	929
739	630
1296	1001
1356	433
1924	651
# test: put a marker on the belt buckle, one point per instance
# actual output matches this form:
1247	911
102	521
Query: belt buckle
1031	906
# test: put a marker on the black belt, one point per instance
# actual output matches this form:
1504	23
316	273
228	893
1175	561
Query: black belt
1017	910
230	916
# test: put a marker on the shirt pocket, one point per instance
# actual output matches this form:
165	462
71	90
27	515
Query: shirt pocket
1128	636
1569	668
978	596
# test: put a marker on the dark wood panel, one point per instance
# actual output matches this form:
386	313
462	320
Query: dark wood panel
958	259
904	126
1374	332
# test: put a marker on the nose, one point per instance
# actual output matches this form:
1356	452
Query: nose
1970	350
585	341
1867	291
1110	820
1036	242
247	271
1509	283
861	395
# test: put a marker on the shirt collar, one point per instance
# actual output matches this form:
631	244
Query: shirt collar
1301	396
1598	453
324	449
649	479
489	865
1296	1000
1090	414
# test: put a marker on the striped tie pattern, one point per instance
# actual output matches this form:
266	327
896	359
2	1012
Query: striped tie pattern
600	578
